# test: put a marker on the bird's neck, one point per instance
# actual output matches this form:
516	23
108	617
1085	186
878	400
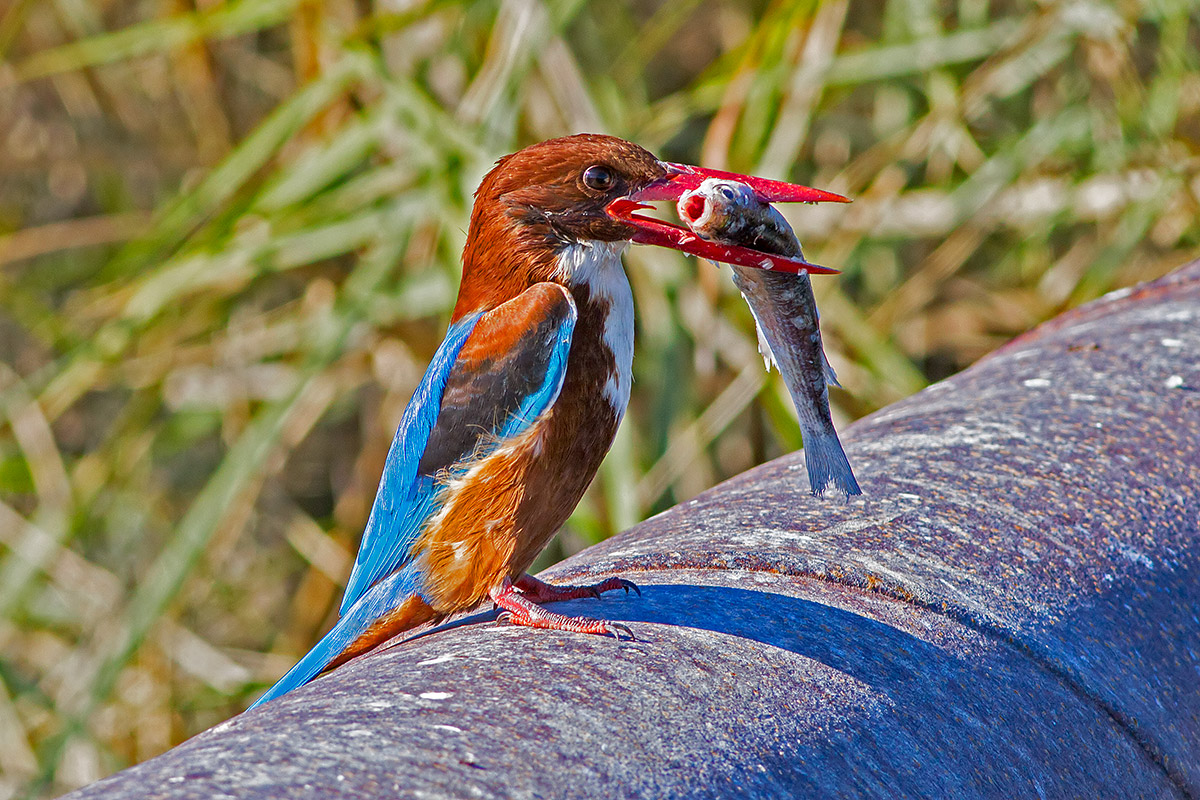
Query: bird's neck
603	346
503	259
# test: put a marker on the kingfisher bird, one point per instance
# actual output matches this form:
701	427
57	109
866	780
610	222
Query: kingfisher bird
523	397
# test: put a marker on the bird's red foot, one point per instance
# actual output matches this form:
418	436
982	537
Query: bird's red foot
521	610
542	592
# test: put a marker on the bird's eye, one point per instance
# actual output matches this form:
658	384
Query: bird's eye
598	177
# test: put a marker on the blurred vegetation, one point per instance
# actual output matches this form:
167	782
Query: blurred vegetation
229	237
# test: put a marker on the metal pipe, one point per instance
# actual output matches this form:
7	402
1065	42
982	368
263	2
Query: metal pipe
1012	609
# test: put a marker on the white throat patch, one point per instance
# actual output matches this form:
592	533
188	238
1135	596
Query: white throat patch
597	265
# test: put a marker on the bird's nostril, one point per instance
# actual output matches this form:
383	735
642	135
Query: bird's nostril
693	207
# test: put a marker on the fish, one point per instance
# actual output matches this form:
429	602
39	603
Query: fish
785	317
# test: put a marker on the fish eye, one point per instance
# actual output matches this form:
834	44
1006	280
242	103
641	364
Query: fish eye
727	193
598	177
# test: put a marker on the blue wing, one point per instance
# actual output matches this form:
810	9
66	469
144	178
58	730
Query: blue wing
403	499
491	378
380	602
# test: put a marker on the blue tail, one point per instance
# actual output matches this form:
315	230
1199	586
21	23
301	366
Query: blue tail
827	464
380	601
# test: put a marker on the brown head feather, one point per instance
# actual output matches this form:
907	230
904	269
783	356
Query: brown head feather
534	203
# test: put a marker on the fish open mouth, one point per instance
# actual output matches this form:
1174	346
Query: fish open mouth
683	178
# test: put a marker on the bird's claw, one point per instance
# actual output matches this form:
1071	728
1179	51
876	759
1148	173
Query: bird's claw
615	629
612	584
521	603
542	592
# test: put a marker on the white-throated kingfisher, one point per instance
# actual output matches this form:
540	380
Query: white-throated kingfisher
523	398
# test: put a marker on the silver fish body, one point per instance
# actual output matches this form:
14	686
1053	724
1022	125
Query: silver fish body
785	313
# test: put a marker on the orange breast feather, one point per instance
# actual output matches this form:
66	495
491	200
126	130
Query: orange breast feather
468	547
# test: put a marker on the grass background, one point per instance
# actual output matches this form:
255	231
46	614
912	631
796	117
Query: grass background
229	233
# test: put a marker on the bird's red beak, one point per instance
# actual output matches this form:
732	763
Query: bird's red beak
682	178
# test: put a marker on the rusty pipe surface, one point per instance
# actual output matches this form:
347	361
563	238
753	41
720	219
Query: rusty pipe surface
1011	610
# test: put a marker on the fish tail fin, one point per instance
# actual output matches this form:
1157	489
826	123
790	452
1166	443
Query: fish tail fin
369	622
827	464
